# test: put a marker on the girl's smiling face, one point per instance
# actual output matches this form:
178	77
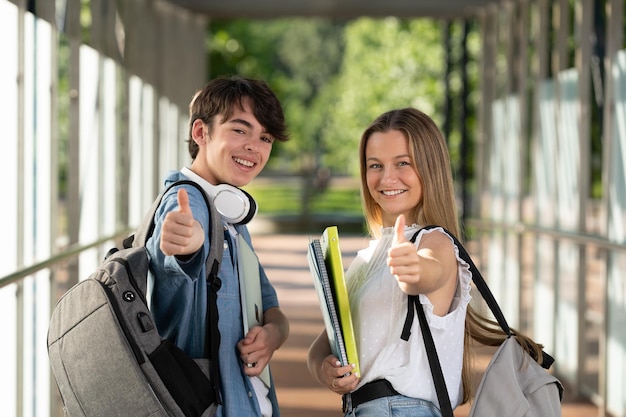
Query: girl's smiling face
392	180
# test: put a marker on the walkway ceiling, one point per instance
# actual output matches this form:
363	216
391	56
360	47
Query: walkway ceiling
266	9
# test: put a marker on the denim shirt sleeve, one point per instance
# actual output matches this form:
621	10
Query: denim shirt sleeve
178	299
189	268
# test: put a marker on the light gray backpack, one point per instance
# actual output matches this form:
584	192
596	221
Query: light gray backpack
514	384
105	352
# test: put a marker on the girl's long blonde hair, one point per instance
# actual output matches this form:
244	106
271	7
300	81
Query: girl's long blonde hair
431	161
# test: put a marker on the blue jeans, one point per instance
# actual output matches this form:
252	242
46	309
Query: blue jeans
395	406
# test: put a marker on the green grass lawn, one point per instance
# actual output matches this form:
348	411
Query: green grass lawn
284	198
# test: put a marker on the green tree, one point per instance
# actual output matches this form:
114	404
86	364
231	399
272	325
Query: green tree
299	59
333	78
388	63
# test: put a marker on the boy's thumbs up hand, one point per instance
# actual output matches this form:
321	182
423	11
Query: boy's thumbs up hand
181	234
183	202
402	257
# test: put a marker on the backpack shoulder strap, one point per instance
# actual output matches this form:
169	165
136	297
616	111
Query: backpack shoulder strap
431	351
477	278
414	304
214	257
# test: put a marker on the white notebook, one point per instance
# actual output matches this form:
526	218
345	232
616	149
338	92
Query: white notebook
250	290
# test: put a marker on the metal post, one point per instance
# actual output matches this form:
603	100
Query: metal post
447	104
19	293
521	69
614	42
465	146
485	119
584	22
73	31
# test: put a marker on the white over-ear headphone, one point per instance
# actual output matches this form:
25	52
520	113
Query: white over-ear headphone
234	205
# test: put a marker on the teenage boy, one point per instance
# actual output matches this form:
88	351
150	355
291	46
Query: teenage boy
232	126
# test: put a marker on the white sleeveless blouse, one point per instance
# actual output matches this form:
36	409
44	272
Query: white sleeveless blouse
379	309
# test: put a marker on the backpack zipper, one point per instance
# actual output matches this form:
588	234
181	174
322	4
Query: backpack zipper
127	333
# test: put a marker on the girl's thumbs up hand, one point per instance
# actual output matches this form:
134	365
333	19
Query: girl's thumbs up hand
402	258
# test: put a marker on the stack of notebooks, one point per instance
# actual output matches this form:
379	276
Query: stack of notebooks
326	267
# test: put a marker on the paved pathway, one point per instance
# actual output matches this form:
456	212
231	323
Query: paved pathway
284	258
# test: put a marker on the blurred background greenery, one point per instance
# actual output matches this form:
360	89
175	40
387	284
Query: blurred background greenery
277	197
333	78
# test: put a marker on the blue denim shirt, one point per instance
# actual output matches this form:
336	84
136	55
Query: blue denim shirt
179	304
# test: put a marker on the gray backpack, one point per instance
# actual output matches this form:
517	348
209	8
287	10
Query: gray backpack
514	383
105	352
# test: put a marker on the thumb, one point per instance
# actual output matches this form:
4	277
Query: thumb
399	230
183	201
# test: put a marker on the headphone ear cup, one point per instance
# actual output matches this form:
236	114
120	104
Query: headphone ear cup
251	210
234	204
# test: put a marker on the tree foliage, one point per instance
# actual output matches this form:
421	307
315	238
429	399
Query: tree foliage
333	78
298	58
389	63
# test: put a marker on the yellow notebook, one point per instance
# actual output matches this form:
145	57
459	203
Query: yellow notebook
332	257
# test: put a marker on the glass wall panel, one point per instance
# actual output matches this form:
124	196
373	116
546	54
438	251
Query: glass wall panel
616	284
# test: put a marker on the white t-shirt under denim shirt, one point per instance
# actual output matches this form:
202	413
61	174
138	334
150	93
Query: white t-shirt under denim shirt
379	308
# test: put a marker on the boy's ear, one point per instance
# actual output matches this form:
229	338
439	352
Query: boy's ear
198	131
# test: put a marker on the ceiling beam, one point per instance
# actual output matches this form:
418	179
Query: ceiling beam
340	9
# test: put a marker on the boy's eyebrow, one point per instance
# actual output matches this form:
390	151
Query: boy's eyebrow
240	121
245	123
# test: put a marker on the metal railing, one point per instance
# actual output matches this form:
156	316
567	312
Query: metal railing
69	253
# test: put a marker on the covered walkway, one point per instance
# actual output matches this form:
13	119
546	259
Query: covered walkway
546	210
